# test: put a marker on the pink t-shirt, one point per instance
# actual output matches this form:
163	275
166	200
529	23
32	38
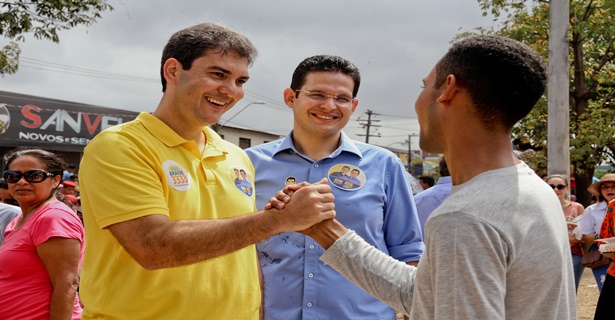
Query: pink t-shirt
25	286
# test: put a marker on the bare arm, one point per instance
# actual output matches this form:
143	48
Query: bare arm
61	259
571	235
589	238
326	232
156	242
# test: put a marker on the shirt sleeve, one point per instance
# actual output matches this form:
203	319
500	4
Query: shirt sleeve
402	228
56	223
121	186
586	223
385	278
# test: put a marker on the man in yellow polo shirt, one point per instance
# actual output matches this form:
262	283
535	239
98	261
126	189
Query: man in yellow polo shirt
169	235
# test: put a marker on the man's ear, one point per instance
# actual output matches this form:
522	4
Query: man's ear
451	88
355	103
170	70
289	97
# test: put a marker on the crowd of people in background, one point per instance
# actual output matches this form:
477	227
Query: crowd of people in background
174	232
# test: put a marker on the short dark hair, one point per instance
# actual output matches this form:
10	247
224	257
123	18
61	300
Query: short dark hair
444	168
54	163
504	77
193	42
326	63
427	180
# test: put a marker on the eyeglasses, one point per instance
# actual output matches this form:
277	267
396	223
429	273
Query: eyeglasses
341	100
559	186
32	176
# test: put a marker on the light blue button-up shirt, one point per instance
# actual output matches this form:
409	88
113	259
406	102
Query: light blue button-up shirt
380	209
427	201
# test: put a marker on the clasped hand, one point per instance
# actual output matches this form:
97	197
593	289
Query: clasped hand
303	204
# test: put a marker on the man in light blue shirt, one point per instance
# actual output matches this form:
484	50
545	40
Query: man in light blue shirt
68	172
378	204
427	201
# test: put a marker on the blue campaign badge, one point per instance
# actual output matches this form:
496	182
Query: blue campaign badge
347	177
242	180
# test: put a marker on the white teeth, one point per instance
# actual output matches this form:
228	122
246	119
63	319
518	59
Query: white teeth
324	117
218	102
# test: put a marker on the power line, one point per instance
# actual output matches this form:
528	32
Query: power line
48	66
401	128
397	116
368	124
78	71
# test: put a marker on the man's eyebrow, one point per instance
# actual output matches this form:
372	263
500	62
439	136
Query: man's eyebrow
225	71
216	68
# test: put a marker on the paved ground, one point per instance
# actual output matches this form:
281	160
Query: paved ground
587	296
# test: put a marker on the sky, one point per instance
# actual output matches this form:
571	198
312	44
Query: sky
115	62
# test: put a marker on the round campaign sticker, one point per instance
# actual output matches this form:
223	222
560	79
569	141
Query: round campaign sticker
242	180
347	177
177	177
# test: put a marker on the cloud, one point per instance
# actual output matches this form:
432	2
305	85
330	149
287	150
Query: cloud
394	43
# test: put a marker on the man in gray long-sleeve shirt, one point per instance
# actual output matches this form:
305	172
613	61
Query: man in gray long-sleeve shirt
497	248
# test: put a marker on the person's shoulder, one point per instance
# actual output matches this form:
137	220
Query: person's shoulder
424	194
597	206
9	209
116	133
57	212
267	148
366	147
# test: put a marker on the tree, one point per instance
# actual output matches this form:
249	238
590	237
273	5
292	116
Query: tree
592	80
43	19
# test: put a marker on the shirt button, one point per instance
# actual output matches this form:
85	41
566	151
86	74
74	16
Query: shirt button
310	275
316	165
312	246
309	304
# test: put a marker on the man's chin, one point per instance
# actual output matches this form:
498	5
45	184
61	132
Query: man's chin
429	147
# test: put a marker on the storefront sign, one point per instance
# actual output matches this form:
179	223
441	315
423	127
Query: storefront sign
53	124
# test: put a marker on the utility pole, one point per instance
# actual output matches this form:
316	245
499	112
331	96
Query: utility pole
368	124
558	103
409	142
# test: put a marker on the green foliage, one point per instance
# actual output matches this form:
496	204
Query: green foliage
592	78
9	58
43	19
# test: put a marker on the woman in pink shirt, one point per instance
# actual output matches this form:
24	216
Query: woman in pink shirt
43	247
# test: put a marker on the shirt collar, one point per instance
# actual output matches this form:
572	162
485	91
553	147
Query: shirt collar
445	180
347	145
171	139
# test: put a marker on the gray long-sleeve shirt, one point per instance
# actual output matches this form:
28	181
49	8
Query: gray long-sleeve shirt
497	248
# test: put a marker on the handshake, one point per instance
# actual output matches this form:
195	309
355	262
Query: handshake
308	209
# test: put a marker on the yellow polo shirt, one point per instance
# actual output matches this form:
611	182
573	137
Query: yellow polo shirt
141	168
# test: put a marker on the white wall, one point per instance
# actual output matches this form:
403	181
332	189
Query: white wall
232	135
